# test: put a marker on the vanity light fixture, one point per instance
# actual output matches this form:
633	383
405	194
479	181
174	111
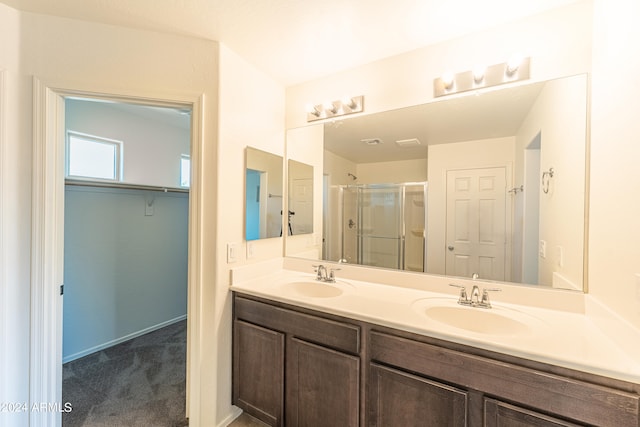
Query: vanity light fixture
516	69
330	109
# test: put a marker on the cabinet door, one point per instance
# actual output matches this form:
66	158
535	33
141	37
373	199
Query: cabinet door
258	372
322	386
500	414
397	398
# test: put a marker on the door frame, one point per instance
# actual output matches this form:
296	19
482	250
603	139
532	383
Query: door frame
47	241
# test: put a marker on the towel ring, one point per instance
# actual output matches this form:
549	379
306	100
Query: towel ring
546	178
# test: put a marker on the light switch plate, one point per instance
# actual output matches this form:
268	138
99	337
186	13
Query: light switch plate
250	250
542	250
232	252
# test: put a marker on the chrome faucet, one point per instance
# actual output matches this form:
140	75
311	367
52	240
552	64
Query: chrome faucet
321	272
475	300
475	295
323	276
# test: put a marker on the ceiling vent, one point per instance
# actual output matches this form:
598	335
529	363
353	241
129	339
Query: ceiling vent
372	141
407	143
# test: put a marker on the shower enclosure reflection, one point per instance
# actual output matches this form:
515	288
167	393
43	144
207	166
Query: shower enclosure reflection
381	225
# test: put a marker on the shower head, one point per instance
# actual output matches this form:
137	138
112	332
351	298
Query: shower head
352	176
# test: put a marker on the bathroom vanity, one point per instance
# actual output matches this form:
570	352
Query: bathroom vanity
297	365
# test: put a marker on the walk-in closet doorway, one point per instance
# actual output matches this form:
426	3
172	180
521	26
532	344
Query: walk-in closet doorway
48	231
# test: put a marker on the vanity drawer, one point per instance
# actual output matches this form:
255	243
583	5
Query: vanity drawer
327	332
577	400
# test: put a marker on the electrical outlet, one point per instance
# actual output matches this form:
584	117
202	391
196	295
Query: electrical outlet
560	256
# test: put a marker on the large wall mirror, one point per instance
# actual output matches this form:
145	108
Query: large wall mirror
263	194
489	183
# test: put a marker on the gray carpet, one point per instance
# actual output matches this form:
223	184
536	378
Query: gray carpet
140	382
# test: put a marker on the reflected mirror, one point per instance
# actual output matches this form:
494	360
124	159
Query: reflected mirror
300	193
489	183
263	194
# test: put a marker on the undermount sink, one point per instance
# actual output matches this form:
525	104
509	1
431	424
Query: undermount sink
315	289
493	321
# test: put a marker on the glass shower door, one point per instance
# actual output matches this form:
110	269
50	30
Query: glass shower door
380	226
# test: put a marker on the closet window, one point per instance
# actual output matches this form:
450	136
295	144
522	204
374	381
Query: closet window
92	157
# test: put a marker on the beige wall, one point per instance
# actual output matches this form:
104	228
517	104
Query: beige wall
614	233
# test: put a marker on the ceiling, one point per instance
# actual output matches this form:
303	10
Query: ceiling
294	41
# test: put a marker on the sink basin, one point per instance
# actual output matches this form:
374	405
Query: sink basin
493	321
314	289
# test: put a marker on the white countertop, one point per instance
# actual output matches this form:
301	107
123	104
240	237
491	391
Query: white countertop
568	338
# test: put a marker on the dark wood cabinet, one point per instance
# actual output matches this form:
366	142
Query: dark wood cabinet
398	398
500	414
258	364
297	367
323	386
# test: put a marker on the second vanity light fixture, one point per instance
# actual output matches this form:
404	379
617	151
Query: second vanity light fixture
516	69
341	107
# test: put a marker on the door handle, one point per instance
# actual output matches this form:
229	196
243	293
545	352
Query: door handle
450	248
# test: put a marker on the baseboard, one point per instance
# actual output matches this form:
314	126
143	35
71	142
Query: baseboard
235	413
132	335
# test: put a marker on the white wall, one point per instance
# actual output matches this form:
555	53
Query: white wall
463	155
125	272
15	231
70	54
559	43
614	206
151	148
251	111
305	145
559	116
392	172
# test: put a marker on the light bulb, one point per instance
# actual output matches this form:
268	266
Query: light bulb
447	80
311	109
328	106
478	73
347	101
513	64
